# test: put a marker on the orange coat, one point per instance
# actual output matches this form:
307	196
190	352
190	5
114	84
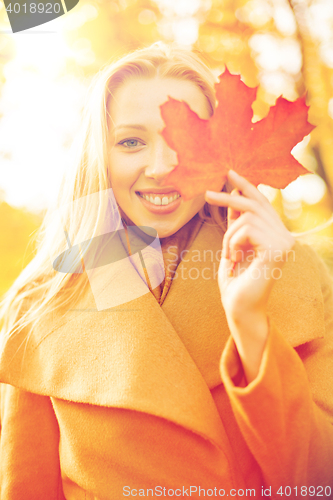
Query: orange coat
109	404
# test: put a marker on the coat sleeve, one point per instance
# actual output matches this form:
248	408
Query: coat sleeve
286	413
29	447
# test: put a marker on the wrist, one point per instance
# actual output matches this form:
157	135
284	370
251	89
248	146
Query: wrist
244	316
250	333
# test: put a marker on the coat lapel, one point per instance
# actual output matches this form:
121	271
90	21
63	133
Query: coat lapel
159	360
127	357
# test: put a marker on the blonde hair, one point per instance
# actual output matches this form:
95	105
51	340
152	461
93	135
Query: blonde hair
39	288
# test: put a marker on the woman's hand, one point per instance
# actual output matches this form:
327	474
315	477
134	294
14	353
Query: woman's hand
254	250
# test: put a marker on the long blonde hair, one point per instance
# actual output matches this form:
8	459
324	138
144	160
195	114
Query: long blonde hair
39	288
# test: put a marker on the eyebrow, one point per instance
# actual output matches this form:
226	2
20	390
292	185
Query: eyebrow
138	127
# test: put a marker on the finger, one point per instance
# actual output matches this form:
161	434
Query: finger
243	240
237	202
246	219
232	213
243	204
226	270
246	188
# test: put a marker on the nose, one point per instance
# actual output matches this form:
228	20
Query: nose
162	160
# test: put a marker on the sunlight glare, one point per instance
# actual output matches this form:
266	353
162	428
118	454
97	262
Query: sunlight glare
309	188
40	113
186	31
181	8
45	53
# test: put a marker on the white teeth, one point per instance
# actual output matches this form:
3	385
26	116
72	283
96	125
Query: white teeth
157	200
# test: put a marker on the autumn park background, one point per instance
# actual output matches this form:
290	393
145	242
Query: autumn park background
284	46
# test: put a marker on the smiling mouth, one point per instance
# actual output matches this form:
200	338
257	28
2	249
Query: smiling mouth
159	199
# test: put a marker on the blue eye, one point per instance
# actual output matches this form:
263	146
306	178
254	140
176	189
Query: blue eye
130	143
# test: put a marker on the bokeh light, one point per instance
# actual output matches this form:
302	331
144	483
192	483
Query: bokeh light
309	188
40	107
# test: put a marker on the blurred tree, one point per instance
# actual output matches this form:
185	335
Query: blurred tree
112	28
317	77
16	230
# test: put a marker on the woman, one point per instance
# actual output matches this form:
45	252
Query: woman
135	399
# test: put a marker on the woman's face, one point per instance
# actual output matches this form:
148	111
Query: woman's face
141	159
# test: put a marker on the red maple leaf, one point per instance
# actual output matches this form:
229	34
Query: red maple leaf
259	151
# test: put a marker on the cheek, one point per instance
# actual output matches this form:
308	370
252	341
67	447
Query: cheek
119	184
123	172
197	203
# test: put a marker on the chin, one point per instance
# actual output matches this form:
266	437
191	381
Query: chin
171	223
164	229
168	228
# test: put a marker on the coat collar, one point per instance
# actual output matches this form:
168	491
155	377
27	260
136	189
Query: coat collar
159	360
